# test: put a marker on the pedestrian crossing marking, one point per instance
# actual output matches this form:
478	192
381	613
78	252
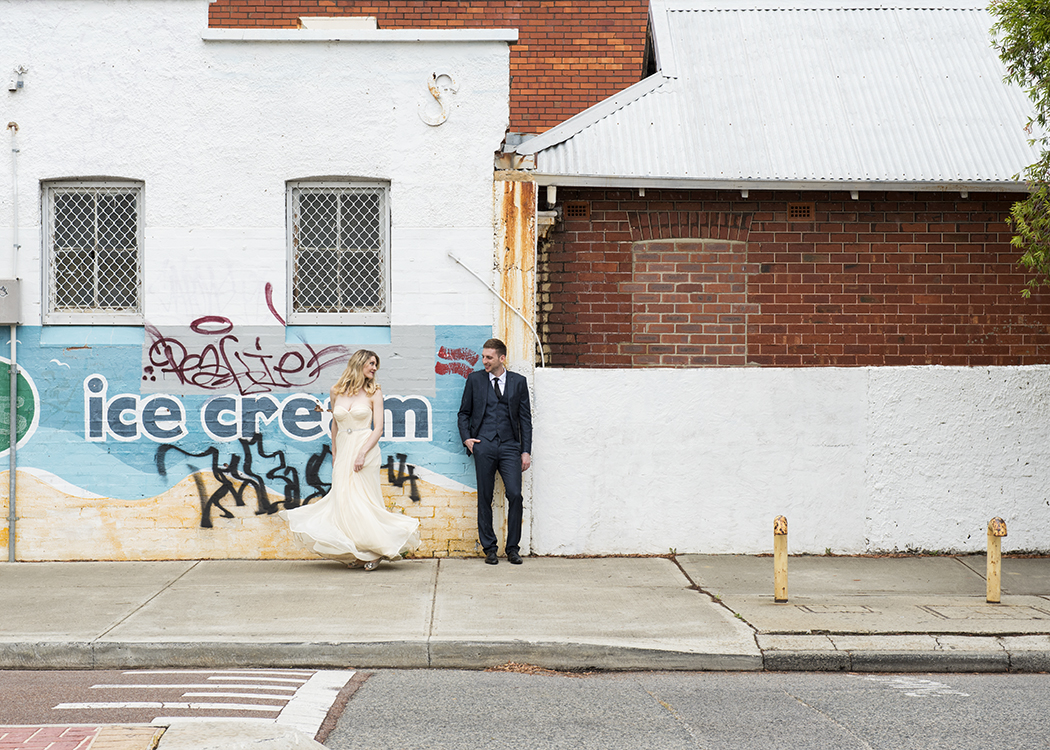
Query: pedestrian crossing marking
236	695
295	698
199	686
167	706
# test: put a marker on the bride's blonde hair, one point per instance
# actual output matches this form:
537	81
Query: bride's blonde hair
353	378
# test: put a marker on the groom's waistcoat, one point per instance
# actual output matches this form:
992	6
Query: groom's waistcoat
496	422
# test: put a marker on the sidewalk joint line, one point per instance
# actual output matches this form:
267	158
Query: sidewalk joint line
137	609
718	600
433	610
972	570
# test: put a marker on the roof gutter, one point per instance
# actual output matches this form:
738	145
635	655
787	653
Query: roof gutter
679	183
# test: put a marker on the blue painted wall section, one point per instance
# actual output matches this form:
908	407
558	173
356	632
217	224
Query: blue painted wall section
131	414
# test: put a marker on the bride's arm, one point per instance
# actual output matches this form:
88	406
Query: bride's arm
377	429
335	427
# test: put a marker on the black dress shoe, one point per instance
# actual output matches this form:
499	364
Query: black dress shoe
491	559
514	558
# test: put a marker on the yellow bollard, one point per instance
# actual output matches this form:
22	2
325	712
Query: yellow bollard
780	559
996	532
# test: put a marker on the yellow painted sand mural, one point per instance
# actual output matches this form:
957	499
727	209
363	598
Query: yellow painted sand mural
55	525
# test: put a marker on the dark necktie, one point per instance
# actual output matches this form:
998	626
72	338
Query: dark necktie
495	384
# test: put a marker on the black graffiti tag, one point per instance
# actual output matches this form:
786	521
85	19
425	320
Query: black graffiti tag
402	475
238	476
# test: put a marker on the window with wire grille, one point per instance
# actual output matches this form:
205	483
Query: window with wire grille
339	253
93	258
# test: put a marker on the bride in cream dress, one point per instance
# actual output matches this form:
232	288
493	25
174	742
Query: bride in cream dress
351	523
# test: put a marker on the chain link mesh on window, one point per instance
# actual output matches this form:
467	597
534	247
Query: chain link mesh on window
94	263
339	250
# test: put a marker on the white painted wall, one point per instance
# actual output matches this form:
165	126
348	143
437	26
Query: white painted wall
216	127
858	459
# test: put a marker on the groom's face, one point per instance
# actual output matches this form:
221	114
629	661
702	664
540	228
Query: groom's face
491	361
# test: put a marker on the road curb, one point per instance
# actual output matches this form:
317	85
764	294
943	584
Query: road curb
905	661
485	654
583	656
367	655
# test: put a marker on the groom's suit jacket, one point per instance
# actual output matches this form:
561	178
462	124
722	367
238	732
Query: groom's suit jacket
475	398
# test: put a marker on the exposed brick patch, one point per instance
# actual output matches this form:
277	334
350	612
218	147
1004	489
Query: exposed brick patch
570	54
890	279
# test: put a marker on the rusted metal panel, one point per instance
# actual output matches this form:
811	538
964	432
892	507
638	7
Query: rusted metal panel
515	266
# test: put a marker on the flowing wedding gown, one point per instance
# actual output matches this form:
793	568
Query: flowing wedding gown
351	522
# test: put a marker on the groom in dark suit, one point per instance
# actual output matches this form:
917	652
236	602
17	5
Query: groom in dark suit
495	423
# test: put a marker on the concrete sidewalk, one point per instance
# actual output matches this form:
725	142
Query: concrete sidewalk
887	614
694	612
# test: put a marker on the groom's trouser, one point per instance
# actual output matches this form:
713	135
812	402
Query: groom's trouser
491	456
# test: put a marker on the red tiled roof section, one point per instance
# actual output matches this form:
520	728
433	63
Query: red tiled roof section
570	53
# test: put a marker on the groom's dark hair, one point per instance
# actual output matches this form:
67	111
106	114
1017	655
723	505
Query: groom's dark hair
497	346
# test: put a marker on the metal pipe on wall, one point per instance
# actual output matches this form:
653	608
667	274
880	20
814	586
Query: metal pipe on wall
11	495
13	366
532	328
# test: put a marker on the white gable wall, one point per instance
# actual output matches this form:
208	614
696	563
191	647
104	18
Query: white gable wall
215	129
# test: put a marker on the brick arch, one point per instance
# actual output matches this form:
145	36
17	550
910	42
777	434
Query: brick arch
668	225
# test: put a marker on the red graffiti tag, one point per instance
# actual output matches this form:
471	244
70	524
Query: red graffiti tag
463	361
465	355
227	364
268	289
453	368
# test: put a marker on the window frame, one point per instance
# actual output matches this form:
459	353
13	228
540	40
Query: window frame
338	318
96	316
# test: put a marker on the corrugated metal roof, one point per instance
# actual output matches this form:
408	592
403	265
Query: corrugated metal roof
753	94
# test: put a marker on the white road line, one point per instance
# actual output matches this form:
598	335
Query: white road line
164	721
199	686
237	695
917	687
304	672
169	706
261	679
313	700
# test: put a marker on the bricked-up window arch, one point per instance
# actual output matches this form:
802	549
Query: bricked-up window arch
92	252
688	303
339	253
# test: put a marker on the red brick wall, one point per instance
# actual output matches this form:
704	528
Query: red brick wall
692	278
570	54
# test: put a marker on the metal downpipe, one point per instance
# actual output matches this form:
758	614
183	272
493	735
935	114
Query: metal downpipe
11	518
13	367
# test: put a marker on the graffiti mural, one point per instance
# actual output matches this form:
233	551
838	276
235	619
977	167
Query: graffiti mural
230	423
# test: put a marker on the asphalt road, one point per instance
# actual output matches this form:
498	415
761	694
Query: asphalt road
450	710
454	710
